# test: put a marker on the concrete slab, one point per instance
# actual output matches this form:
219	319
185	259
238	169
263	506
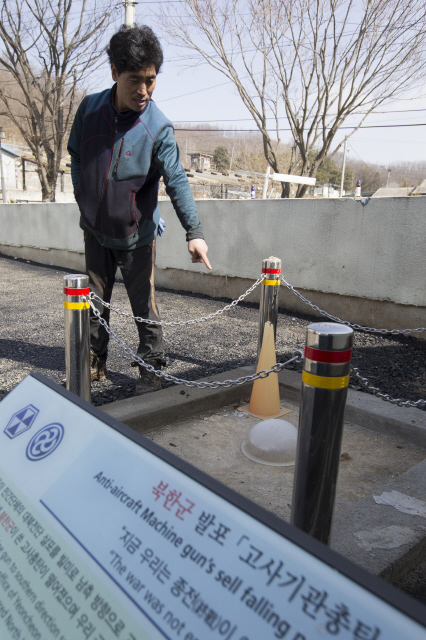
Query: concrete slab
145	413
176	403
382	461
383	528
212	442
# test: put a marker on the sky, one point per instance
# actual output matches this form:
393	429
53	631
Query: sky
203	95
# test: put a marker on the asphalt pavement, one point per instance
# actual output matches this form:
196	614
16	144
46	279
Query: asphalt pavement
32	338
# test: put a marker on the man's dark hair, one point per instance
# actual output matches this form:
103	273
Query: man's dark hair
133	48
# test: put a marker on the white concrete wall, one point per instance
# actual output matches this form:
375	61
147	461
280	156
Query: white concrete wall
15	195
334	246
352	260
41	225
43	232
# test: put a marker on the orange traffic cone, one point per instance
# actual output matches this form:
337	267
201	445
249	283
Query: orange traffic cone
265	395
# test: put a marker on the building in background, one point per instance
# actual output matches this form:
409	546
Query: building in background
201	161
10	167
22	183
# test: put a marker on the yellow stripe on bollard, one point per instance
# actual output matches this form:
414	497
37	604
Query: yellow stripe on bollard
323	382
274	282
76	305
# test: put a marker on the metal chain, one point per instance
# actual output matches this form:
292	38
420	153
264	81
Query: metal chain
260	374
279	366
385	396
354	326
93	296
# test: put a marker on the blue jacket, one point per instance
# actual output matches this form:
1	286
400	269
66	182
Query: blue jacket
117	160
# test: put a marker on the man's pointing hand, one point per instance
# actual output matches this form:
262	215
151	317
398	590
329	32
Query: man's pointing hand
198	250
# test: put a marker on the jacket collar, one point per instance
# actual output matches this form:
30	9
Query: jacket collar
124	118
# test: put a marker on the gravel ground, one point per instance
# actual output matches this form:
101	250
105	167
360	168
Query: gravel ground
32	338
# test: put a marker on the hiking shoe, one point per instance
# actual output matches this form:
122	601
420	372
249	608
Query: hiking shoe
97	368
147	382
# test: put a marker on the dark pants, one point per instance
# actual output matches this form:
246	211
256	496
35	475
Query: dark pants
137	269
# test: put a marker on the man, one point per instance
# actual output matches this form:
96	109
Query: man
120	145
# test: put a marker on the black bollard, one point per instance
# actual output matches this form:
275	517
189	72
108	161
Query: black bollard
325	380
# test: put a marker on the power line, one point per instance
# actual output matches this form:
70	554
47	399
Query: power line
197	91
184	95
250	119
77	12
216	130
368	166
388	141
372	126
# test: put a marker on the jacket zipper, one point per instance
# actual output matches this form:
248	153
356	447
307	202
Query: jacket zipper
106	177
119	154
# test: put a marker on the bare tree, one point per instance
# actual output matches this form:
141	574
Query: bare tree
308	63
49	48
249	155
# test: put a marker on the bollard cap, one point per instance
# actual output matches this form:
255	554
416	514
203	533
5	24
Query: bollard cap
329	336
76	281
271	263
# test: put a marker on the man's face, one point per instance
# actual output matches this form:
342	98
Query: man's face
134	88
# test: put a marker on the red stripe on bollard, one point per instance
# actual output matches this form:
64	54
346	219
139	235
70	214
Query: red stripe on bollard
77	292
271	270
328	356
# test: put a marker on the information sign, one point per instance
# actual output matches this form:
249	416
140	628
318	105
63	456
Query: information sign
105	535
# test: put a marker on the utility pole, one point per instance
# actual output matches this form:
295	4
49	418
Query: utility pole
129	12
343	170
387	181
232	157
3	188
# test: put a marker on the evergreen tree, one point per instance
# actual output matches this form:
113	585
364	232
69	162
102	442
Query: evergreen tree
221	158
329	173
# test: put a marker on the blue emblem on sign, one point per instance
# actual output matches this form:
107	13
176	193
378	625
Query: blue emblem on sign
45	441
21	421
